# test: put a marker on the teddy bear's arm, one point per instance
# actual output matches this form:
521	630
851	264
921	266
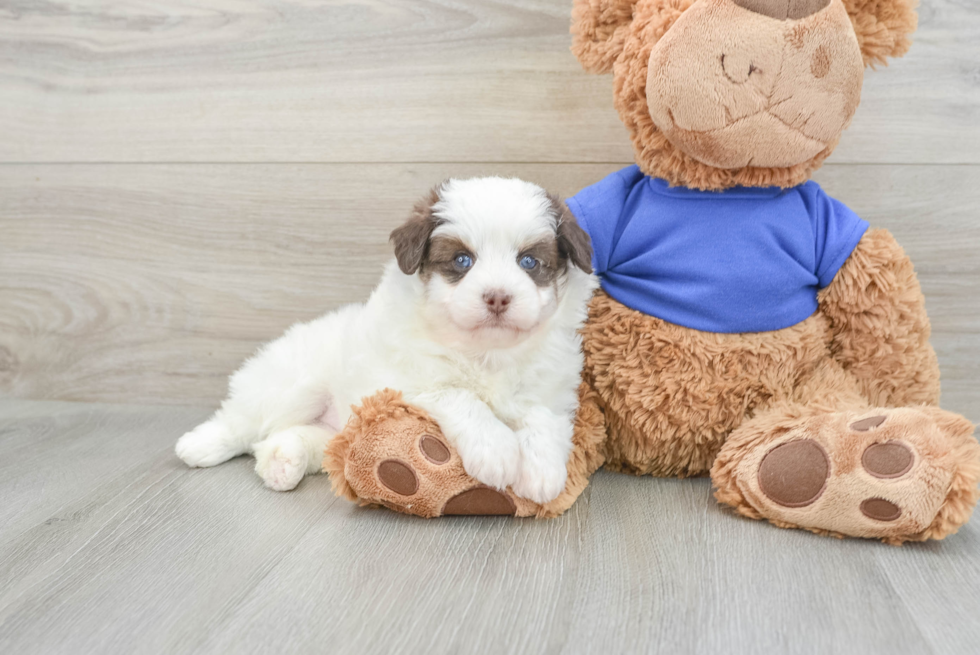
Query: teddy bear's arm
881	330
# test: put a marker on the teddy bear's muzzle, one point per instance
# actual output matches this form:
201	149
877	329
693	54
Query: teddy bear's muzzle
736	83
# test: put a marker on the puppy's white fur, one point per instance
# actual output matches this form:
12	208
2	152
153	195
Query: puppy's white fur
502	388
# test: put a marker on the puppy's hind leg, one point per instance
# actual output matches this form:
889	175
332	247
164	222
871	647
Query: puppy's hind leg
285	456
223	436
268	390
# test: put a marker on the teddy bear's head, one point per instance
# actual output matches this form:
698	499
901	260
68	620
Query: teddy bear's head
720	93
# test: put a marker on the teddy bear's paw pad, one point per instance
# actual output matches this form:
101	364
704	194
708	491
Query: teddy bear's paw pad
405	464
879	509
884	474
888	460
866	424
398	476
414	473
480	501
795	474
434	450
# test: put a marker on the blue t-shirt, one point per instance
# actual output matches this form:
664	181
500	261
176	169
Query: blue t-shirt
739	260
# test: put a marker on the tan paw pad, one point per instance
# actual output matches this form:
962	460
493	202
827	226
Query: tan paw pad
866	424
398	476
888	460
794	474
405	464
480	501
879	509
434	449
885	475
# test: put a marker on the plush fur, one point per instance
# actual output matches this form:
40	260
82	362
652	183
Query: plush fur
476	322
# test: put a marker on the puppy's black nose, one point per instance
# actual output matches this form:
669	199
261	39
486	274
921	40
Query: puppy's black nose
497	301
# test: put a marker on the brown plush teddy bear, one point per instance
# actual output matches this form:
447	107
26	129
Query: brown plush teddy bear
748	325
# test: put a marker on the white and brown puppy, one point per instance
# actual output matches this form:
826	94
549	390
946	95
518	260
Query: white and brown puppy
477	322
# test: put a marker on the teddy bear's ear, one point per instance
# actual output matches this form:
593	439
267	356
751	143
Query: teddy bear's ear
883	27
598	31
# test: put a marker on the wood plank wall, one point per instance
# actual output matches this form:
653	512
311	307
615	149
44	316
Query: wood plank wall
179	181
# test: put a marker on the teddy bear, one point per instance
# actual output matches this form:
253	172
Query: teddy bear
748	326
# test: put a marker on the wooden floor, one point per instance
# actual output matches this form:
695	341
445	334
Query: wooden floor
110	545
182	179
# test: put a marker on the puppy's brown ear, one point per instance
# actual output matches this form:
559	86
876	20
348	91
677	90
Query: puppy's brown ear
573	242
412	238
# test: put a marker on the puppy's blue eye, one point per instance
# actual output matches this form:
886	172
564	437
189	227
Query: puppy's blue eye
463	262
528	263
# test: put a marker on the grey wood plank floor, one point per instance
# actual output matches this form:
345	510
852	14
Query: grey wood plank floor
108	544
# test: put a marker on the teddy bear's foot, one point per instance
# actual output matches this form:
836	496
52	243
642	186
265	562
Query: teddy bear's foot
896	474
393	454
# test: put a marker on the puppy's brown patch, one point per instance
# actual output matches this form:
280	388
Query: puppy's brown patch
551	263
440	257
411	240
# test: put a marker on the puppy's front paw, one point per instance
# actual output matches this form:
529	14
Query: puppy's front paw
541	480
493	458
281	462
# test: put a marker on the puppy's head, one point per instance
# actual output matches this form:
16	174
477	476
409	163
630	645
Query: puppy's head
494	255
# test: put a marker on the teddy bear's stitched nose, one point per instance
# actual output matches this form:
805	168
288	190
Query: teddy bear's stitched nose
784	9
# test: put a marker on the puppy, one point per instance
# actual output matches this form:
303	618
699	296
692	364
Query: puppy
476	321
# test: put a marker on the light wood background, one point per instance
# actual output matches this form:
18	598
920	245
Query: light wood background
181	180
